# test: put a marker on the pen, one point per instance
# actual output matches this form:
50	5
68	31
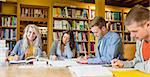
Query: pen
118	56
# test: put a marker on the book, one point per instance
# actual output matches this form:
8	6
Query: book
30	59
91	71
64	63
92	15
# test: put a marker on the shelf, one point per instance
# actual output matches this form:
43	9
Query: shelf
7	14
113	21
33	6
34	19
64	18
8	27
81	41
44	37
10	1
117	31
71	30
45	44
130	42
9	40
81	30
60	29
72	7
41	25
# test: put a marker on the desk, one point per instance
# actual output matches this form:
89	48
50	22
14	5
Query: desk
15	71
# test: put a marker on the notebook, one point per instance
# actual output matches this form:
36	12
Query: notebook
90	70
64	63
30	59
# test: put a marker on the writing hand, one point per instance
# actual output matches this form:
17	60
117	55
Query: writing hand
54	57
82	60
116	63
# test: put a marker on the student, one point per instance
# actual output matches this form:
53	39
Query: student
61	49
138	23
30	45
109	43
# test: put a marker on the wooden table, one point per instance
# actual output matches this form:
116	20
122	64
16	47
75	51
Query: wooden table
18	71
15	71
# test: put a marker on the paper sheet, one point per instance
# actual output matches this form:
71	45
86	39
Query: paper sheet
64	63
91	70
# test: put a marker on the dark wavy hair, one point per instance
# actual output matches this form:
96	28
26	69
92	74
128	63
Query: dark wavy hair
62	45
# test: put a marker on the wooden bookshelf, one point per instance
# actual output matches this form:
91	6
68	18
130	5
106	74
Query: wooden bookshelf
34	14
8	23
14	8
77	17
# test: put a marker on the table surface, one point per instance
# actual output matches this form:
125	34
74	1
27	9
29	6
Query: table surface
29	71
16	71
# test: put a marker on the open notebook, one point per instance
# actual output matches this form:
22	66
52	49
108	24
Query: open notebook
29	60
90	71
64	63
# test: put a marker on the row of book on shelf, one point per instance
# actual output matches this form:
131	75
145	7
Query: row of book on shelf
43	31
9	44
74	25
127	38
34	12
8	21
80	38
113	16
114	26
8	34
70	12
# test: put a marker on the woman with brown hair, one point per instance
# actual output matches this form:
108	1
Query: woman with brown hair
61	49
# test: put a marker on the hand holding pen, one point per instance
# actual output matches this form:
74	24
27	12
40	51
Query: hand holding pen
116	63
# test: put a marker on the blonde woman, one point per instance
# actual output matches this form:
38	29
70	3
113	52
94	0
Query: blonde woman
30	45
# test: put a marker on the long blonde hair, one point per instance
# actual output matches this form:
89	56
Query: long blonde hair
36	42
